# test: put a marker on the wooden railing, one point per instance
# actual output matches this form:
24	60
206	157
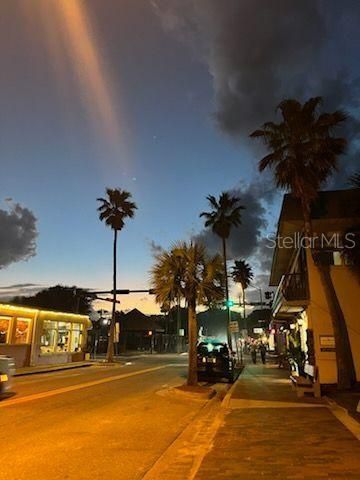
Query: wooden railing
295	286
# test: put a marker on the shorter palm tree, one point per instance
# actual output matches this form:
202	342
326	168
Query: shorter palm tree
242	274
225	215
114	210
186	271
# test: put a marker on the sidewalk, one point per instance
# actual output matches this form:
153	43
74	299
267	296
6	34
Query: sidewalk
269	433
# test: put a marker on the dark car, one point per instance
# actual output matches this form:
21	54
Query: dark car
215	361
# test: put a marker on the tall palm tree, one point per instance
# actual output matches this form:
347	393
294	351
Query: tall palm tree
303	153
187	272
225	214
354	180
114	209
242	273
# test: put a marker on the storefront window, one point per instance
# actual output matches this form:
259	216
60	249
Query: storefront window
48	337
61	337
4	329
22	330
76	337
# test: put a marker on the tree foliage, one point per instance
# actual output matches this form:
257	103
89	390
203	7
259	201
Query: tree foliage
242	273
225	214
303	150
59	298
186	271
116	208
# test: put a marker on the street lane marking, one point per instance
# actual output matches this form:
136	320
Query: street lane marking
80	386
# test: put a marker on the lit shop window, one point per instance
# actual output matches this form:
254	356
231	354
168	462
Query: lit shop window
76	337
61	337
4	329
48	337
22	330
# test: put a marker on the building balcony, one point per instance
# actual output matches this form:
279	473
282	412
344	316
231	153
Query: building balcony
292	295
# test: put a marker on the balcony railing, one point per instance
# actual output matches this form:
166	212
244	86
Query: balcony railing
295	286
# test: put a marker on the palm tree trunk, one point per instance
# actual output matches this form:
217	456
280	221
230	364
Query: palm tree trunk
110	349
344	358
192	328
244	303
227	293
178	326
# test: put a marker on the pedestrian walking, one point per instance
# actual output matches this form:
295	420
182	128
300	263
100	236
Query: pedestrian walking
253	352
262	348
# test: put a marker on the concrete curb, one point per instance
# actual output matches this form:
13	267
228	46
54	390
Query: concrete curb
226	400
51	370
342	414
183	457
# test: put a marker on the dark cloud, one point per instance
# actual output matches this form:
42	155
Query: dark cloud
19	285
245	240
264	254
18	235
259	52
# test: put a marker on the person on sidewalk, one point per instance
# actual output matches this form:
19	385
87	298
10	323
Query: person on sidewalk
253	352
262	348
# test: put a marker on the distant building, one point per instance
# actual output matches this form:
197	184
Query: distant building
300	308
136	330
36	337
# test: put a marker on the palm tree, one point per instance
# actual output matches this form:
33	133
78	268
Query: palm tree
243	274
225	214
114	210
354	180
303	154
187	272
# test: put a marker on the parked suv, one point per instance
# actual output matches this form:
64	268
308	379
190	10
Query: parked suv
215	360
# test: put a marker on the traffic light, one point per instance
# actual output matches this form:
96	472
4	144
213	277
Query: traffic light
229	303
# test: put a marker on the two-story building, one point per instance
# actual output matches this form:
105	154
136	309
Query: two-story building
300	305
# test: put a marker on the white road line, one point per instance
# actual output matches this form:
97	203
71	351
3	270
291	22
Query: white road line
80	386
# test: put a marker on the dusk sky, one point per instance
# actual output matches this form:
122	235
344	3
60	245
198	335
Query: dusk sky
158	98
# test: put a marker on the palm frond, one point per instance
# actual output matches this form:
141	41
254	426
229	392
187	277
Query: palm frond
302	150
116	208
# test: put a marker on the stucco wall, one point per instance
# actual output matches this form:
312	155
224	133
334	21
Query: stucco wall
347	287
348	291
20	354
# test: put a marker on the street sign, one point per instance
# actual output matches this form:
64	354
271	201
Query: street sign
234	327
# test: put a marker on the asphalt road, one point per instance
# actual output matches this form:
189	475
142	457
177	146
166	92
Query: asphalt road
99	422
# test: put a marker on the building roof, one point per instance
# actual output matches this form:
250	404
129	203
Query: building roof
333	211
136	321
